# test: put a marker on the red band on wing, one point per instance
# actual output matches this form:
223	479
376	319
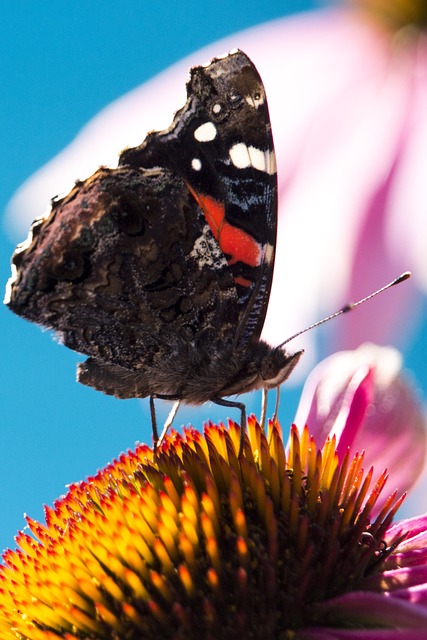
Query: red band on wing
234	242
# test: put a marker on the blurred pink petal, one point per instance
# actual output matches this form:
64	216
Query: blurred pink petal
362	398
349	114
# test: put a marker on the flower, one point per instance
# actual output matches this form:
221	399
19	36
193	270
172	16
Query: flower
347	91
362	398
194	542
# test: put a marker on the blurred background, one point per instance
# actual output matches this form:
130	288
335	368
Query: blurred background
61	64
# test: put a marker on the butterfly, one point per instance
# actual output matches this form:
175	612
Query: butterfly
160	270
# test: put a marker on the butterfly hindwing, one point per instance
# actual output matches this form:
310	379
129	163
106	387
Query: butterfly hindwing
122	266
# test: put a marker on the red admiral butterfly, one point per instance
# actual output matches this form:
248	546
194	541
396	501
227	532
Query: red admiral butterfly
160	270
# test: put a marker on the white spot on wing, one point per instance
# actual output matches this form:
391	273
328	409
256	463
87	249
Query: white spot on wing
196	164
206	132
239	155
243	157
268	253
216	108
256	100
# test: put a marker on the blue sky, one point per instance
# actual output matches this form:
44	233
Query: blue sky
61	63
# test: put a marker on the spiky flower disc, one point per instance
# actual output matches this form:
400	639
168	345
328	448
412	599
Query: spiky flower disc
195	543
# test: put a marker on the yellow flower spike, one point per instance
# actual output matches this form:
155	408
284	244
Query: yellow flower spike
363	491
329	462
274	481
254	434
313	461
190	530
167	509
304	445
210	511
221	471
39	531
264	457
353	473
297	474
168	529
216	438
285	502
109	618
133	557
240	523
130	612
212	492
160	583
186	579
75	598
172	494
207	526
162	546
149	499
277	450
157	612
243	552
201	450
313	492
143	522
190	505
26	543
341	477
91	590
373	497
112	587
188	551
213	580
213	553
135	583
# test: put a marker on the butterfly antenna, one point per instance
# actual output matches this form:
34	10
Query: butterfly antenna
350	306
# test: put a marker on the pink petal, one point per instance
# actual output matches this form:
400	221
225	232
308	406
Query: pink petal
364	607
361	397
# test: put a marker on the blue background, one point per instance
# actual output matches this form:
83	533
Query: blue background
62	62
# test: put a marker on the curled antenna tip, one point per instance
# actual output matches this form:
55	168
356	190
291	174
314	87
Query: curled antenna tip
403	277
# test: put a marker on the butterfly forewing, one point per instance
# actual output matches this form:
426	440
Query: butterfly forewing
221	144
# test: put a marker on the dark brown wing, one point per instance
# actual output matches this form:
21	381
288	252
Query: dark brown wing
124	267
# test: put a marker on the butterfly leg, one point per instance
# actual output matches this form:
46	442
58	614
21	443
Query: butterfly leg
243	423
263	407
154	423
169	420
158	440
276	409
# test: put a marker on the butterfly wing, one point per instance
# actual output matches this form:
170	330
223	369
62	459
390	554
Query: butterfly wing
123	268
160	270
221	144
